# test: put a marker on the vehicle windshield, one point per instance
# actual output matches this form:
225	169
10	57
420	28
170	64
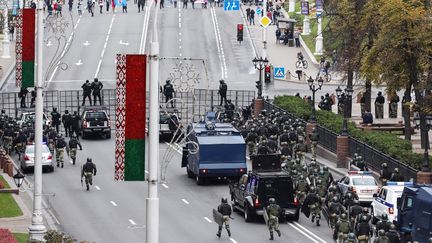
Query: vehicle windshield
30	149
366	181
95	115
31	116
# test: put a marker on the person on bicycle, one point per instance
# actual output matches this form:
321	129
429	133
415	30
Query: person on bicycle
300	56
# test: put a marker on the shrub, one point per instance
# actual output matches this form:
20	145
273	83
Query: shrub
7	237
385	142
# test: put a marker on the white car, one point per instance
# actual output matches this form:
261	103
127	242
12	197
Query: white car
362	182
28	161
385	201
31	116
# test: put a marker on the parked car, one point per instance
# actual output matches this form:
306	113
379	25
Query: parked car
28	162
30	116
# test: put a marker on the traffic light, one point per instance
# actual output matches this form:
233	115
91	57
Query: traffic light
240	32
259	87
267	74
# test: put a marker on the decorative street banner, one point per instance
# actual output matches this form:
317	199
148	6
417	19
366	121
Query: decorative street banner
130	117
319	5
304	8
25	48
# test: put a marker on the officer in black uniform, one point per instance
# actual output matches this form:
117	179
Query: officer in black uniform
73	146
168	91
88	170
396	176
97	87
87	89
225	209
55	119
383	224
66	120
229	109
393	234
363	229
22	95
75	119
385	174
222	91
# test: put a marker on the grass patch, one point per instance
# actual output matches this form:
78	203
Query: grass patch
21	237
6	185
8	206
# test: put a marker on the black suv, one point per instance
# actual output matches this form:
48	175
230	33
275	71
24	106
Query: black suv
95	121
169	120
251	193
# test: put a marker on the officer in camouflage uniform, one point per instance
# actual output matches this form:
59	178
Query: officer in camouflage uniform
298	164
87	171
225	209
52	135
273	211
20	143
328	177
251	140
382	238
342	228
351	238
314	137
383	224
300	149
300	132
8	138
60	146
73	146
285	149
289	164
301	188
322	188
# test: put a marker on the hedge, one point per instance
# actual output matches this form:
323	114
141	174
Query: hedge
388	143
7	237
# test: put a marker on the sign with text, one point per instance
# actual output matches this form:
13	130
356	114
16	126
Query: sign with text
304	8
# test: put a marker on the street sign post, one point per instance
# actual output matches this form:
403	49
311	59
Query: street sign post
279	72
231	5
265	21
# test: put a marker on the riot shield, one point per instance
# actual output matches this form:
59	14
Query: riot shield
326	214
266	217
217	217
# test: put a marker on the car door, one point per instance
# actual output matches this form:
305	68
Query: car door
380	206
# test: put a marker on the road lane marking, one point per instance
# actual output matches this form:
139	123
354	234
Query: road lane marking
132	222
219	42
113	203
164	185
208	220
105	44
184	200
232	240
97	188
303	233
312	234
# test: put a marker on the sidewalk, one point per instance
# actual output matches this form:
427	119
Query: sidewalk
21	223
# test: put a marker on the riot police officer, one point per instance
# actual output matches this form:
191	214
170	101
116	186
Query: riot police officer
354	211
385	174
168	91
314	137
97	88
396	176
73	146
312	205
75	119
363	230
222	91
382	238
225	209
383	224
8	135
66	120
273	211
342	228
60	146
55	119
88	171
301	188
87	88
251	140
335	210
393	234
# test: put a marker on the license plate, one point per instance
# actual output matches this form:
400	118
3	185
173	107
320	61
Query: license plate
287	211
366	191
97	129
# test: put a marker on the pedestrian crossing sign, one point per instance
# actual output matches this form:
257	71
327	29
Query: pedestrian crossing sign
279	72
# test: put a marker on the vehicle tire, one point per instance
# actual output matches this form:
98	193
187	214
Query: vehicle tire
199	180
108	135
190	174
295	217
52	169
298	64
248	214
84	135
374	219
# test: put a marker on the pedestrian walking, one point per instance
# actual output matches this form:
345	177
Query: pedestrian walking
101	3
168	91
141	4
79	7
248	10
55	119
225	210
107	4
87	88
70	2
161	4
124	6
223	87
97	87
379	106
297	37
66	120
185	3
175	3
90	7
22	95
11	31
193	4
88	171
252	17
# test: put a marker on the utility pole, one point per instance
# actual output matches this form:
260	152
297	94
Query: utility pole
37	228
264	40
152	202
6	42
319	38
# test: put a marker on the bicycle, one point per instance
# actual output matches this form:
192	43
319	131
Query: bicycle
302	64
325	75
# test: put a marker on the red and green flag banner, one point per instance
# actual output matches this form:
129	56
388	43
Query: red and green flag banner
130	118
25	48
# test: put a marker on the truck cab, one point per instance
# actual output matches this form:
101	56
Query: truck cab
214	151
414	219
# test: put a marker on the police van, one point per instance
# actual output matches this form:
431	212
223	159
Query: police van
385	201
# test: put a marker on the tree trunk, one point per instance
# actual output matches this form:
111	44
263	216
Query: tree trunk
406	112
368	94
350	74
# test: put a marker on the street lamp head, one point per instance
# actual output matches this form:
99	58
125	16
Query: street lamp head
417	122
349	91
429	121
338	91
18	179
320	82
310	81
265	61
255	61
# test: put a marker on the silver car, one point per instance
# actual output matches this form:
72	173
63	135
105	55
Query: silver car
29	154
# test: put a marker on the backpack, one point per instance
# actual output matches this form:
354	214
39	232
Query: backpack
343	227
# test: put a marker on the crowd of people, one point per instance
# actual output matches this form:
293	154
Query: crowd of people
314	185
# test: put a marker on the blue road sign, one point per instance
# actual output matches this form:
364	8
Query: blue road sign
258	11
230	5
279	72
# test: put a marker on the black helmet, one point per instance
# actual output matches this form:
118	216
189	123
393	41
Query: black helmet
384	165
312	189
168	81
343	216
89	160
365	210
224	200
364	218
396	170
351	236
272	200
381	232
384	217
221	81
393	227
335	199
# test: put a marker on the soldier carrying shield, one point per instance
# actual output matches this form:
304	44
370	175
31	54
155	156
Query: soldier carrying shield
271	216
222	216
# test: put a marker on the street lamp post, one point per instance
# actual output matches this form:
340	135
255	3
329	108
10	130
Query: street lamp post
348	92
260	64
314	88
6	42
428	126
18	179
